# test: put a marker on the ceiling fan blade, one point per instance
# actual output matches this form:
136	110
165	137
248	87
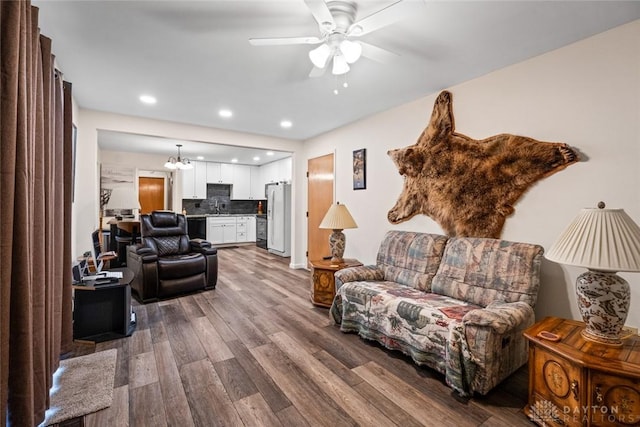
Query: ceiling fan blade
317	72
285	41
387	16
377	53
321	13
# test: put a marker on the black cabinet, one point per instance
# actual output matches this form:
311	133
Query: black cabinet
103	313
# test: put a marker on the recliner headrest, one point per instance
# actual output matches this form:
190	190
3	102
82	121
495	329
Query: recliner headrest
164	219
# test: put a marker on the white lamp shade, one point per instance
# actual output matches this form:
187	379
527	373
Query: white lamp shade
351	50
599	239
340	65
170	165
338	218
320	55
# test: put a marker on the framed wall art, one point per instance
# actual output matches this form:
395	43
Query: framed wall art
360	169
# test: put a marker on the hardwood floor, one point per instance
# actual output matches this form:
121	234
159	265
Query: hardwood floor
256	352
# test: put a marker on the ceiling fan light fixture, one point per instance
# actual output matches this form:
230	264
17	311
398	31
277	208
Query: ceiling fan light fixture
340	65
351	50
320	55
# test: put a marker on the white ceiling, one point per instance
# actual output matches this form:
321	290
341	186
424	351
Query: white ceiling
195	58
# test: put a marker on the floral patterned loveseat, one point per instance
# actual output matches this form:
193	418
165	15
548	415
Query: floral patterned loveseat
458	305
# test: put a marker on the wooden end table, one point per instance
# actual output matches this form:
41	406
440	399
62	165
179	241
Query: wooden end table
323	282
575	382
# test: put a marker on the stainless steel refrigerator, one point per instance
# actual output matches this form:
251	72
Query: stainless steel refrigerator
279	219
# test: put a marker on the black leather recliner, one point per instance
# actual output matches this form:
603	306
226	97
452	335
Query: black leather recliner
167	263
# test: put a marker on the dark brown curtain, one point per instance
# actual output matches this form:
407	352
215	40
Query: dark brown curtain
35	206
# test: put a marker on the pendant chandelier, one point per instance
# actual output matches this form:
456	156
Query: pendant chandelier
178	162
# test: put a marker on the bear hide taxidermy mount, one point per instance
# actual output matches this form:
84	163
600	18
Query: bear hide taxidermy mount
469	186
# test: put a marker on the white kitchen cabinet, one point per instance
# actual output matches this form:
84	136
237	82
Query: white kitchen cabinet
284	169
270	172
226	173
241	229
257	184
251	229
213	173
241	189
246	228
194	181
221	230
219	173
278	171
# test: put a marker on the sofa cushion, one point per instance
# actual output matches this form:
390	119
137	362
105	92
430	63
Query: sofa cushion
410	259
481	271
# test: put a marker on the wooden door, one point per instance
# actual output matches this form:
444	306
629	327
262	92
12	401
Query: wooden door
150	194
319	199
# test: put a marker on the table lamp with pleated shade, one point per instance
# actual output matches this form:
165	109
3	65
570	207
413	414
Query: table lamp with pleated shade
337	219
604	241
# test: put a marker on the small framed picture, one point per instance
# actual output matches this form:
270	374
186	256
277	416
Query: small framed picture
360	169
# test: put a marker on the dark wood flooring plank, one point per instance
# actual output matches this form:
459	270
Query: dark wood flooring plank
254	411
308	398
213	344
190	307
209	402
175	400
270	391
409	399
244	329
146	407
140	342
142	318
219	324
393	411
115	415
348	399
347	375
235	380
290	416
172	311
158	333
142	370
184	343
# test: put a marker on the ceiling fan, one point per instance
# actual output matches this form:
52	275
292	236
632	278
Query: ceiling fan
338	28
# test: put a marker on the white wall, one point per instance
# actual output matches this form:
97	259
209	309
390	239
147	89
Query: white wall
586	94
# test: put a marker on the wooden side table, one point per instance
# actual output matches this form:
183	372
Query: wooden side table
575	382
323	282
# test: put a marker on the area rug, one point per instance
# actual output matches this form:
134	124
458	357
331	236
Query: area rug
82	385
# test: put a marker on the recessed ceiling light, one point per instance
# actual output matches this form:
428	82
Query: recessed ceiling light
234	160
286	124
148	99
269	153
256	158
200	157
225	113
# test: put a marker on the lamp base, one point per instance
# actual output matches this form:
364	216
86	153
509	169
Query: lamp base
603	300
337	243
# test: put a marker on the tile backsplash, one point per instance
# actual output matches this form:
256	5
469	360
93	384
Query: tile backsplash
219	201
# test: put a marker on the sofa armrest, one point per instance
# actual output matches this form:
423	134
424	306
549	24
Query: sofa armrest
360	273
501	316
202	246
